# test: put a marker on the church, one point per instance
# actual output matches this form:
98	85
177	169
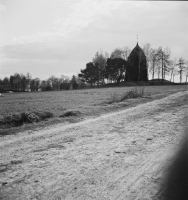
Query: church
137	66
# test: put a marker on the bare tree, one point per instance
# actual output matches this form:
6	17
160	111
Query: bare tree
117	53
147	52
175	73
121	53
28	77
55	82
43	85
100	60
23	82
164	58
1	82
181	67
153	62
37	83
125	52
17	82
172	68
64	79
34	84
158	69
186	71
6	81
167	61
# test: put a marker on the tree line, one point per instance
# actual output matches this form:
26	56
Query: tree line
104	68
161	64
20	82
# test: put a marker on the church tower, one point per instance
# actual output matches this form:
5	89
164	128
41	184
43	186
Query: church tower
137	65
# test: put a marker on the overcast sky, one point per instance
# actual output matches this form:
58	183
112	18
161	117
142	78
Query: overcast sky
53	37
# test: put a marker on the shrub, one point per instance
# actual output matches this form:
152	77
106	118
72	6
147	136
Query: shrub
70	113
132	93
19	119
44	115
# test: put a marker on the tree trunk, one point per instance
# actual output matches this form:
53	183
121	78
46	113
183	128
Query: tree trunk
118	80
125	76
180	76
103	81
162	69
171	75
153	73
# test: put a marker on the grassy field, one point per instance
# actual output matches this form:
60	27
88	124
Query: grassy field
88	102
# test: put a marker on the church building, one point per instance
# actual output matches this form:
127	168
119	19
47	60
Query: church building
137	66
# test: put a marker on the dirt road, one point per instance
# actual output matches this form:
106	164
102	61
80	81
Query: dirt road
122	155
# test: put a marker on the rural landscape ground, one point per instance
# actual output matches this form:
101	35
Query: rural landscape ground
86	103
120	150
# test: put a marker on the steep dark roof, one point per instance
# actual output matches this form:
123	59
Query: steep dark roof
137	51
6	88
137	69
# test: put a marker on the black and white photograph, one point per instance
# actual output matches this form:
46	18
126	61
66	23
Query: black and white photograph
93	100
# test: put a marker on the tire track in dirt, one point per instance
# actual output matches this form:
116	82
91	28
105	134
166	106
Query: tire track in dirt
122	155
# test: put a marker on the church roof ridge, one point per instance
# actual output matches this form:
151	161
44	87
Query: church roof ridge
137	49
